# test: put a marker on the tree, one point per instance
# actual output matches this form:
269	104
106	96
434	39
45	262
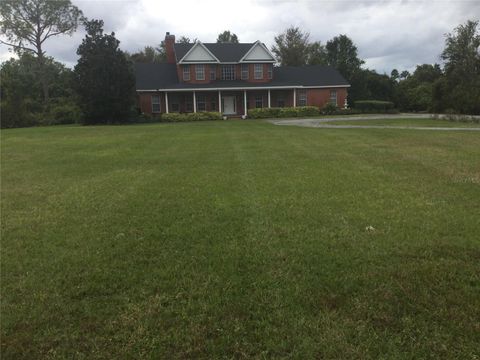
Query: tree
227	37
184	40
404	75
462	67
292	47
342	55
317	54
149	54
21	97
104	77
394	75
27	24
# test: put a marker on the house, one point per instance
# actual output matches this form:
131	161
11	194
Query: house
231	79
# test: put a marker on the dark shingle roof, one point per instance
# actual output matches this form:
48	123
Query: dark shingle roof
225	52
155	76
164	76
313	75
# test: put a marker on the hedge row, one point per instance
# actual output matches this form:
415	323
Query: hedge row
181	117
374	106
283	112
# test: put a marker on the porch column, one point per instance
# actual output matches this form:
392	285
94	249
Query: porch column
166	102
219	101
194	102
245	102
269	99
294	97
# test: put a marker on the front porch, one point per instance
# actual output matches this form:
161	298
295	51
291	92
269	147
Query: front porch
237	102
227	102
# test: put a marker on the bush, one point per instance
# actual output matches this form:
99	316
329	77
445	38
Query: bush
183	117
374	106
329	109
300	111
62	111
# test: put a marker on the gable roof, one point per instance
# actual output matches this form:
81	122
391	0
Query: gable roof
224	52
202	51
258	52
164	76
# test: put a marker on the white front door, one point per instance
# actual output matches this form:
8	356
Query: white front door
229	105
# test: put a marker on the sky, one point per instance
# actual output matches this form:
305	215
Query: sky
388	33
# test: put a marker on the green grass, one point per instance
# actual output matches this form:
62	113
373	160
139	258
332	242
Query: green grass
406	122
239	239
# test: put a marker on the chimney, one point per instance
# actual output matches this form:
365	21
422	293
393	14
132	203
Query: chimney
169	43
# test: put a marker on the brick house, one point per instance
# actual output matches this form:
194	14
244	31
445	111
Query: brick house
231	79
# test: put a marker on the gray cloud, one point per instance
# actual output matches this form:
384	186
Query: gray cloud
388	34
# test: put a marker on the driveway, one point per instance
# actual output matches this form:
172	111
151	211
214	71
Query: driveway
320	122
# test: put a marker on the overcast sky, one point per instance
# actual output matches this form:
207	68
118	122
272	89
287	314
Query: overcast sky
389	34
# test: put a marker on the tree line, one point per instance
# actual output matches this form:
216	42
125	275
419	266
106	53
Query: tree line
37	89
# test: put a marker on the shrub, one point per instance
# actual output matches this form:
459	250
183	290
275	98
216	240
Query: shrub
62	111
329	109
300	111
183	117
374	106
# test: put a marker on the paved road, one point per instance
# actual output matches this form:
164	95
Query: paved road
319	123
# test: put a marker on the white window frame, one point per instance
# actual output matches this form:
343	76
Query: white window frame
333	97
244	72
258	71
228	72
186	72
200	72
159	103
270	71
213	71
302	98
201	99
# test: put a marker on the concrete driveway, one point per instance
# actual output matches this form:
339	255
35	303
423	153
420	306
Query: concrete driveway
320	122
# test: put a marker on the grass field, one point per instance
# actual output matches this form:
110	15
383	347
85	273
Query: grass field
407	122
239	239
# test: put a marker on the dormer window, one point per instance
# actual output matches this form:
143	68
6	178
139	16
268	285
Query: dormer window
186	72
200	72
258	71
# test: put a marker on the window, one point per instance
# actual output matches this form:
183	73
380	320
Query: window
174	104
155	103
302	98
258	71
201	104
213	104
213	72
188	104
228	72
270	71
186	72
333	97
281	100
258	101
244	72
200	72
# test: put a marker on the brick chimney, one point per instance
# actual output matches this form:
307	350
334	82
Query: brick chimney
169	42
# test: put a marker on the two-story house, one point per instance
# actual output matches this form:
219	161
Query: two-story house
231	79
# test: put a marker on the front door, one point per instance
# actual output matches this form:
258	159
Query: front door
229	105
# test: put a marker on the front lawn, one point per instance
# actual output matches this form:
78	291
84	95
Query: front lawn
239	239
